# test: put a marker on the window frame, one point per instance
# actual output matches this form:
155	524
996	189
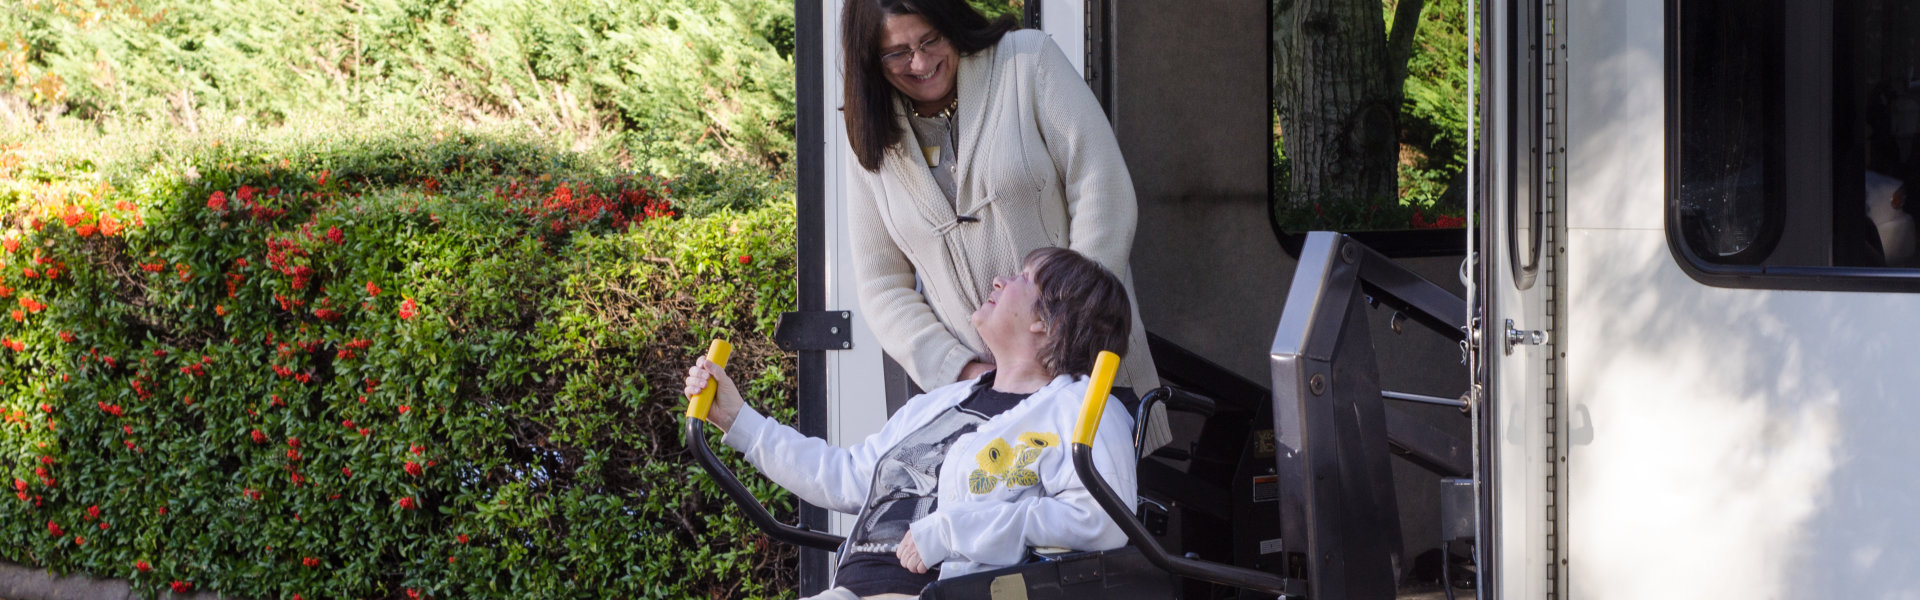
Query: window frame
1743	271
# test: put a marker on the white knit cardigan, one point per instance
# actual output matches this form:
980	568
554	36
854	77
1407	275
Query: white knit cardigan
1038	166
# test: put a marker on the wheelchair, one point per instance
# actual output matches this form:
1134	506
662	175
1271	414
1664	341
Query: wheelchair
1325	463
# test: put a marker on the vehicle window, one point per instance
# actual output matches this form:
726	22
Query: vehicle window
1370	116
1794	131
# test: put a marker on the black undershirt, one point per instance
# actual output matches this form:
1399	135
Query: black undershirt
872	573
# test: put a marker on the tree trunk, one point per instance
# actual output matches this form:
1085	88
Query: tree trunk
1338	100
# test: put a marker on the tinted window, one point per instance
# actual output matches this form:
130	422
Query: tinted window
1795	128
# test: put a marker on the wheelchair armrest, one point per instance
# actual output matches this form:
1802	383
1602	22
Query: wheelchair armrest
798	536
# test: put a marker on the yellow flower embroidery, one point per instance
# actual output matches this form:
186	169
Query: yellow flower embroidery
1004	463
1022	478
1035	439
980	482
1027	457
996	458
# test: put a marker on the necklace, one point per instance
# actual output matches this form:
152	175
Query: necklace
952	107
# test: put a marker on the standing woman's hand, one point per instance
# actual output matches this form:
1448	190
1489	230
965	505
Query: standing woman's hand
726	400
974	369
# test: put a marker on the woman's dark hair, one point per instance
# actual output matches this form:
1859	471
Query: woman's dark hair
1084	307
869	98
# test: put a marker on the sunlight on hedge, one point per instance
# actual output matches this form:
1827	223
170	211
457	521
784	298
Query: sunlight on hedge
380	364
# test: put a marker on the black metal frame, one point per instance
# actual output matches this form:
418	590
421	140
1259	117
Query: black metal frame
810	220
1339	513
1185	567
801	535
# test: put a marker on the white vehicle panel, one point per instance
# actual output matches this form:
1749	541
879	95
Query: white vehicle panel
1725	443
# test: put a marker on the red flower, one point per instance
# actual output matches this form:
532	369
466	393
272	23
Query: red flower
292	441
103	525
408	309
372	290
53	529
19	484
334	235
364	431
746	258
245	194
259	438
293	454
19	316
30	273
163	511
404	408
322	179
14	345
181	587
413	594
79	541
141	566
219	309
416	449
462	538
326	314
66	336
12	245
348	423
413	468
93	512
127	428
346	472
310	562
407	503
217	201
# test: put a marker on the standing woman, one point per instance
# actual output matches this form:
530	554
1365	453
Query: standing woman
976	143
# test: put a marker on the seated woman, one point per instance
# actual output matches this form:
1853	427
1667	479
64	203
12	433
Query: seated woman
967	476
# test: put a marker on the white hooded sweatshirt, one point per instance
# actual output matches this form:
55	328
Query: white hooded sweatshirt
985	517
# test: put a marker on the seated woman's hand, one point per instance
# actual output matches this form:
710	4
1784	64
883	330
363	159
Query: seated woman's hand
726	401
909	555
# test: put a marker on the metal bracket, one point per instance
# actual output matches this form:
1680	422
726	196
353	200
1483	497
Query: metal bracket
1080	570
814	330
1516	337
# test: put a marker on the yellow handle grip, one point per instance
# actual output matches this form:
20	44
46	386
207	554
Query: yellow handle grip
1104	367
698	404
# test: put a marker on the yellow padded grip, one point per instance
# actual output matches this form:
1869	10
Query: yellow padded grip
1104	368
698	404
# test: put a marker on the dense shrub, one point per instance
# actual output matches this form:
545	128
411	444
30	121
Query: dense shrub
374	366
708	81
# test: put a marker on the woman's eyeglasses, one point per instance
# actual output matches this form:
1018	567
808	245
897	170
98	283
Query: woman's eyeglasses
899	60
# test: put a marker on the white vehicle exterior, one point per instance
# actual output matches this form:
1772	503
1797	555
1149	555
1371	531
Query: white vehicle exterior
1667	438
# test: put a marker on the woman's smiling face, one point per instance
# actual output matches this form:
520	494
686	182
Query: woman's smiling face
927	74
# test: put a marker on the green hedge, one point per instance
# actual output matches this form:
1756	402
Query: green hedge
378	365
710	81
